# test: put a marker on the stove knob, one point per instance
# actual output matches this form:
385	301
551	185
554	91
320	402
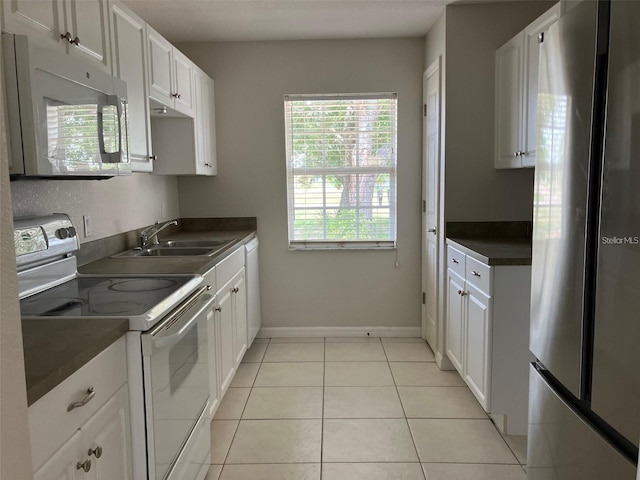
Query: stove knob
62	233
72	231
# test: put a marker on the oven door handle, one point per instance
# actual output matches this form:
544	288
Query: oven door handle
171	331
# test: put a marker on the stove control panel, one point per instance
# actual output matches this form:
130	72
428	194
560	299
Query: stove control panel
43	238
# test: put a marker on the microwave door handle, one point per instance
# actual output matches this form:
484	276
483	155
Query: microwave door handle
108	157
189	319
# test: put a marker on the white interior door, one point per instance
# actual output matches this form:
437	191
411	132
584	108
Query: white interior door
431	195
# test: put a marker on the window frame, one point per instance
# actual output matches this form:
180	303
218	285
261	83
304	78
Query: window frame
392	171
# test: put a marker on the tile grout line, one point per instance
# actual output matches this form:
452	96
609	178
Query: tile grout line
245	406
415	447
324	381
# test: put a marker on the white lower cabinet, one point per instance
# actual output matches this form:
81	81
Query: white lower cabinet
226	339
487	335
227	325
99	446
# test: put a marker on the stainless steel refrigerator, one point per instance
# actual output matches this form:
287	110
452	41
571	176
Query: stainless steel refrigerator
584	404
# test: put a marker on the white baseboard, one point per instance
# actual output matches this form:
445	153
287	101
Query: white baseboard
269	332
443	362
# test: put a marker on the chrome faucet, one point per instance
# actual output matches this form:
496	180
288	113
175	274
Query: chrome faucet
149	236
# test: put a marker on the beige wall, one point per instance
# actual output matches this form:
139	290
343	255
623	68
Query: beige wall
474	190
434	42
327	288
115	205
15	451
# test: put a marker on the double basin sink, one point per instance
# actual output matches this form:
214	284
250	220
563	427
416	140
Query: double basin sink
180	248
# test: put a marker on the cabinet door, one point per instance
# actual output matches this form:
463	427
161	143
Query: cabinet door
530	89
477	363
204	120
455	319
240	316
214	363
63	465
183	90
107	436
40	19
88	23
226	340
160	54
129	41
508	110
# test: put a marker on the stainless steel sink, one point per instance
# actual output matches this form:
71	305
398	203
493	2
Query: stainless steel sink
168	252
194	243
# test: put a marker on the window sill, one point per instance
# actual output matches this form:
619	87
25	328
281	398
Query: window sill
333	246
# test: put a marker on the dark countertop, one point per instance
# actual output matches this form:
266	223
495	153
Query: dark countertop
196	264
54	348
495	251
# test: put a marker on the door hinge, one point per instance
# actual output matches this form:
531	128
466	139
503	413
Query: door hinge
424	109
424	298
424	206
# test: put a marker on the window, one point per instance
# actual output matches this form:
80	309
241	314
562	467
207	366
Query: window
341	170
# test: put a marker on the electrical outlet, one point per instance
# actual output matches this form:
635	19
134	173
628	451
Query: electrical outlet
87	225
164	210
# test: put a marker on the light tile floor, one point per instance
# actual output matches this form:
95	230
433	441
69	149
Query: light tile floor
355	409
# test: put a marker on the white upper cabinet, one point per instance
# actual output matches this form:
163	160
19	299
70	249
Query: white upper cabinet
40	19
206	163
183	74
79	26
129	51
170	74
160	67
88	23
517	94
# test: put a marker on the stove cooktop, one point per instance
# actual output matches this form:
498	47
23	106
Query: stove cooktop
141	299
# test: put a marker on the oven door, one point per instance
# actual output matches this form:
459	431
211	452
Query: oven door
176	378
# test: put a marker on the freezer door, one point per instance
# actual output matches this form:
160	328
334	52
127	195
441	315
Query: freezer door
616	362
566	79
562	446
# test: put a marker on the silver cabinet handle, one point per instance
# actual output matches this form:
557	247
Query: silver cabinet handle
88	397
86	465
475	274
455	261
432	230
97	452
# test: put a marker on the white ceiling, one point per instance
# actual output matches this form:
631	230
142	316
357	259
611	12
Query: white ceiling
241	20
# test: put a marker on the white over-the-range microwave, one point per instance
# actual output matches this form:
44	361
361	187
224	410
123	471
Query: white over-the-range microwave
65	119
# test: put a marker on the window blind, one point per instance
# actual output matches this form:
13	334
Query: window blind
341	170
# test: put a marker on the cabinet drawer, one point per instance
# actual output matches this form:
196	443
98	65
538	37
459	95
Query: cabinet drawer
456	260
50	424
227	268
479	275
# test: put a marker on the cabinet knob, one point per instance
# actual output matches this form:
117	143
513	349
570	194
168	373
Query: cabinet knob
97	452
75	41
459	292
218	308
86	465
88	397
475	274
179	96
516	154
174	95
235	290
153	157
541	37
432	230
207	165
455	261
66	36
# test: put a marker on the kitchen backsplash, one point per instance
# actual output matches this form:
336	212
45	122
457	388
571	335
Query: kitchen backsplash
114	206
